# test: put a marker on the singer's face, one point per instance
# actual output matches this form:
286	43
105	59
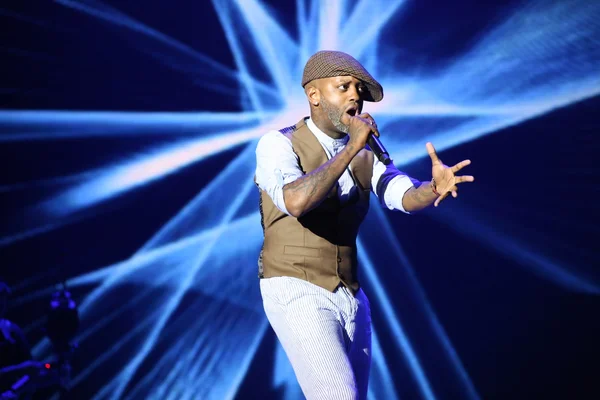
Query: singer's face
339	95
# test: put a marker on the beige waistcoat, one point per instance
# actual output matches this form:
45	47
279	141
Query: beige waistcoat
320	246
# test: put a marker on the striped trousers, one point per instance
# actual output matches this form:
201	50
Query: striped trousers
326	336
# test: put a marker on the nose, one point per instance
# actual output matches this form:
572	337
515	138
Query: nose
353	94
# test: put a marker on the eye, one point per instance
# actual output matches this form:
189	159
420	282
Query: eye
343	86
361	89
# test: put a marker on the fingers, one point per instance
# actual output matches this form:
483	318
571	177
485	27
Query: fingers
360	128
367	116
460	165
439	199
345	119
375	130
369	119
432	153
464	178
454	194
453	191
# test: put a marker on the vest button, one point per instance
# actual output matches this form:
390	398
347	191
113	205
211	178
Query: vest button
339	259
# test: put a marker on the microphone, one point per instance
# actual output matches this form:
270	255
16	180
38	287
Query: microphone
378	149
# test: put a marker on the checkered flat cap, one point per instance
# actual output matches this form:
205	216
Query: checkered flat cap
328	63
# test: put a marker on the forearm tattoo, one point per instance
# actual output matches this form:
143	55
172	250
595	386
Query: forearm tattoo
423	194
419	197
311	189
309	184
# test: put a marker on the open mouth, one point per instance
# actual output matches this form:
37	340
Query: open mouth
352	111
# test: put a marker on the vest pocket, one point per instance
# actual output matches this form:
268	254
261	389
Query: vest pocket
302	251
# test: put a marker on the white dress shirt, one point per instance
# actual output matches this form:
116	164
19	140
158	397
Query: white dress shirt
277	165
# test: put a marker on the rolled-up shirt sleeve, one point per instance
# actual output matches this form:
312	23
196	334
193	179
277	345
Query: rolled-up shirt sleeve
390	185
276	166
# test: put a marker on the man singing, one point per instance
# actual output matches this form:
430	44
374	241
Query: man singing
315	179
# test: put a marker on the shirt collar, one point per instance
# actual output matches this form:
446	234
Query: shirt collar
325	138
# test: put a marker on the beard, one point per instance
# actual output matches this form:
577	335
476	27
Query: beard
335	116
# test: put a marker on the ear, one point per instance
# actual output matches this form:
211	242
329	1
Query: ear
313	94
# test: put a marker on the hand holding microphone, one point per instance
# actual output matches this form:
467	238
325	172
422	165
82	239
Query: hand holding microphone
363	127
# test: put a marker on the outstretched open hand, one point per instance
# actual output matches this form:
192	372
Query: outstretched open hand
445	177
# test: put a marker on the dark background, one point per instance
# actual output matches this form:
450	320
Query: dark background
490	263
